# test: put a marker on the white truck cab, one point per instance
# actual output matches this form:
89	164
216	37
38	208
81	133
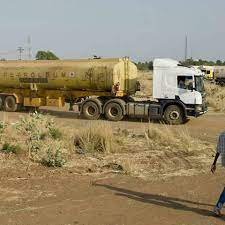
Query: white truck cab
179	89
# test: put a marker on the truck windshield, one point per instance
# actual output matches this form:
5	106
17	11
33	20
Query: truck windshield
185	82
199	84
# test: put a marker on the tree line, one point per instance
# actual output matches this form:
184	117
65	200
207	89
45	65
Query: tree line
148	65
201	62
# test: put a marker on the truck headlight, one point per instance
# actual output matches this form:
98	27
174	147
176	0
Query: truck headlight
198	108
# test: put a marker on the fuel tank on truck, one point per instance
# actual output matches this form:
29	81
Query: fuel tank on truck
88	74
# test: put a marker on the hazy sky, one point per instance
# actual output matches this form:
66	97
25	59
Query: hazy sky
141	29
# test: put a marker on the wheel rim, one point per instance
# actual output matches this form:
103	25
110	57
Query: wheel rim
114	111
174	115
10	103
91	110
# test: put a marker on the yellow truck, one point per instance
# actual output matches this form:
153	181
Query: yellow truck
209	72
102	87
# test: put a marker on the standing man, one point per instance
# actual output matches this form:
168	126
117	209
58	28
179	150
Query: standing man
220	151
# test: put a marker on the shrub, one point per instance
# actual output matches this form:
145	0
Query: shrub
53	159
55	133
2	127
10	148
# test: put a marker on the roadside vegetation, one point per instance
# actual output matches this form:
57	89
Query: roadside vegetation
215	96
36	138
98	148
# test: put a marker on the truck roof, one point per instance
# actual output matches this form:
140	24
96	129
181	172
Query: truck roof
165	62
171	63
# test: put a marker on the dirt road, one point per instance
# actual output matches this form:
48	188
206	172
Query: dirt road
61	197
53	198
205	127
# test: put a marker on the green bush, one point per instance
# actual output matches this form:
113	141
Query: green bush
10	148
55	133
53	159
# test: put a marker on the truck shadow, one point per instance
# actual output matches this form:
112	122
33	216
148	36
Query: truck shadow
61	114
162	201
76	115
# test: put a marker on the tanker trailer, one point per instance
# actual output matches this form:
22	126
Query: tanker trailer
103	87
52	83
220	79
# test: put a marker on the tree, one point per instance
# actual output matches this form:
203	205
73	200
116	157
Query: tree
46	55
145	65
219	63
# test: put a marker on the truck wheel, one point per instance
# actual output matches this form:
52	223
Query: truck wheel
91	110
114	112
174	115
1	103
10	104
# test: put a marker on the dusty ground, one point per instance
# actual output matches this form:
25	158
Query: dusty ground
62	197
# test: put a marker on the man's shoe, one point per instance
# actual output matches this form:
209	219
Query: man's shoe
217	212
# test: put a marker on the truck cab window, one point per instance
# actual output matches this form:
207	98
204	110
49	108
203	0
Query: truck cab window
185	82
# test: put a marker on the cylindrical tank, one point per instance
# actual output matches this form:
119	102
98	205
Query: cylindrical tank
89	74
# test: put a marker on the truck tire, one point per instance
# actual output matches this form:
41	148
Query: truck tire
174	115
1	102
91	110
10	104
114	111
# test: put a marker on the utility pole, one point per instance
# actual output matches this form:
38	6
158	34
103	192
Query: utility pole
29	47
20	50
186	48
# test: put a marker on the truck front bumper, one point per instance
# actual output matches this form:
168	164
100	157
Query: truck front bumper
197	110
200	109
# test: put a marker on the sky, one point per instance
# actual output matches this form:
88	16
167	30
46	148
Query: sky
140	29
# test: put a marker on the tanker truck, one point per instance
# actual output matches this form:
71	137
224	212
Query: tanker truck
103	87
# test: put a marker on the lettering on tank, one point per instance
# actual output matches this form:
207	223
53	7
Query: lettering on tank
37	77
33	80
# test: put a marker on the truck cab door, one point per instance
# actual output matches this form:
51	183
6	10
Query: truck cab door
185	89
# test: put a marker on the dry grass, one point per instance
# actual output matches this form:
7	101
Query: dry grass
96	138
165	136
215	96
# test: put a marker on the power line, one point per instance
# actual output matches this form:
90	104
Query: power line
20	50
